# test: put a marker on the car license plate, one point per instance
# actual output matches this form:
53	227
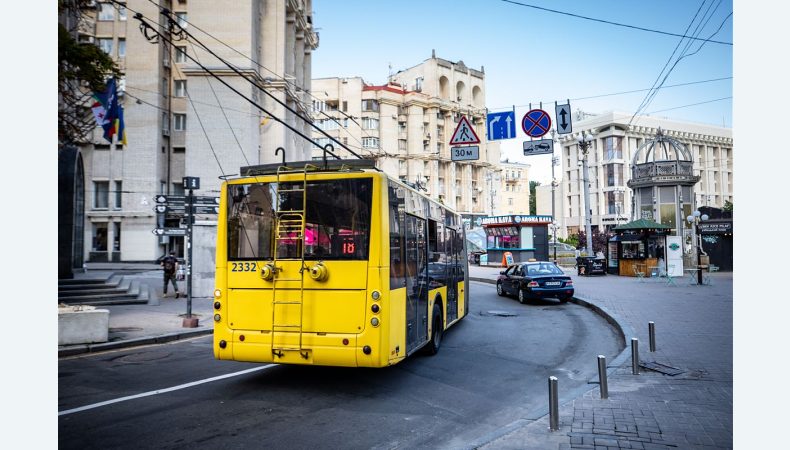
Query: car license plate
553	283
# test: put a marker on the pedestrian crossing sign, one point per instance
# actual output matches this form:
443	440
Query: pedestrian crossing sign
464	133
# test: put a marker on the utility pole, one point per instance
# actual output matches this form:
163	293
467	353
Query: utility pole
554	161
190	183
585	142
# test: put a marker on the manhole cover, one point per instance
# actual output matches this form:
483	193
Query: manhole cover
143	357
500	313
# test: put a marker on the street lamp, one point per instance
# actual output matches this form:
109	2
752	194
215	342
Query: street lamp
694	219
554	162
585	141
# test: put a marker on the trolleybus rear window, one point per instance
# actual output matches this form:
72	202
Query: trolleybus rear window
337	221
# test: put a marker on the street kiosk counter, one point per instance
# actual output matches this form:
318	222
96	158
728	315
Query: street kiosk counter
524	237
638	249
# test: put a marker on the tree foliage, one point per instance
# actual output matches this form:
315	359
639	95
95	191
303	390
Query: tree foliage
727	206
533	205
82	69
599	241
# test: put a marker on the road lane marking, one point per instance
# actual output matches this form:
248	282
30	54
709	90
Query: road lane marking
163	391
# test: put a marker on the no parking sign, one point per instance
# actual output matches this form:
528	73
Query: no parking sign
536	123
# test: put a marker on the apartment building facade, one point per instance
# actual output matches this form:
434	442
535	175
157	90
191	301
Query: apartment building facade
406	125
511	195
183	120
610	158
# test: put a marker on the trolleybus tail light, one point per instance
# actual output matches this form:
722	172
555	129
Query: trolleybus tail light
345	341
217	317
217	293
319	272
375	308
217	305
532	284
374	321
366	350
223	344
267	272
375	295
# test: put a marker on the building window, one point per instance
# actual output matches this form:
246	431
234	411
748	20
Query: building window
327	124
370	142
369	123
105	44
180	88
402	146
121	48
321	142
401	127
121	12
181	54
116	240
101	194
181	19
118	194
370	105
179	150
99	243
613	146
179	122
106	12
418	84
345	106
614	174
165	125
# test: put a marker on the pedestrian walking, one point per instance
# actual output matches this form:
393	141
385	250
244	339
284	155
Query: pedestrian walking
170	266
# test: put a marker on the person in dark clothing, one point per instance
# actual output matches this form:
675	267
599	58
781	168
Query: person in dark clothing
170	266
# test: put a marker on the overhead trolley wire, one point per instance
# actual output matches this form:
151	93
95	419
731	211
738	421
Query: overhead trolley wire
613	23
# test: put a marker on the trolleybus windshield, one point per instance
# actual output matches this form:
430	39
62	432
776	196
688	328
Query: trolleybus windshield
337	220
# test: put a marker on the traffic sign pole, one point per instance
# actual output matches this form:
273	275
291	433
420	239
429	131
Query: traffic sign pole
189	253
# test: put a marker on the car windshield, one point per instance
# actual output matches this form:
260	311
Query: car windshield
542	269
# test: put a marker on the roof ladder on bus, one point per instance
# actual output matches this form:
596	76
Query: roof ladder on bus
290	226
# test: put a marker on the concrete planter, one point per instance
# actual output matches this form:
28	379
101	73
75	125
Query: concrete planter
82	324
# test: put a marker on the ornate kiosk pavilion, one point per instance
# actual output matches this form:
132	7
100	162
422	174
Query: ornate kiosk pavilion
662	180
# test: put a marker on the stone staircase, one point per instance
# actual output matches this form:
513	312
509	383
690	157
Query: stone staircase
102	289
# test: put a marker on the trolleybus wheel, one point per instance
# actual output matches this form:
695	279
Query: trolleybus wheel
437	331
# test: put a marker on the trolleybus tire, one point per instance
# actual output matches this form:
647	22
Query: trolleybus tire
437	331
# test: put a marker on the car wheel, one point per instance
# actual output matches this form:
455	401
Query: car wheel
522	296
436	332
500	292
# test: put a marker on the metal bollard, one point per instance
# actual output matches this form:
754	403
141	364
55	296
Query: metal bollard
602	376
554	406
635	356
652	331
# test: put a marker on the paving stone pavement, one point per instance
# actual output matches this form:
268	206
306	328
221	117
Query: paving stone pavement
651	410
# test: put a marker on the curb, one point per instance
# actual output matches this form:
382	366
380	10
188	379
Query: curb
105	346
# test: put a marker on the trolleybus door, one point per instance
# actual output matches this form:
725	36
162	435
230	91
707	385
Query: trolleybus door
416	286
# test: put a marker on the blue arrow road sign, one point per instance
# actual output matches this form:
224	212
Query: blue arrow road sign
501	125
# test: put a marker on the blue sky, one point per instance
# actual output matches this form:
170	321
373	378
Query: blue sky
533	56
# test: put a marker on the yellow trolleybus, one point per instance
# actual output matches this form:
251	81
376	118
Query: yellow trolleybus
334	264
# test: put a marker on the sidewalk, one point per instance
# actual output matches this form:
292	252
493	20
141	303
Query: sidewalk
652	410
159	321
690	410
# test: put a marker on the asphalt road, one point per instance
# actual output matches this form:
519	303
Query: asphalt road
491	371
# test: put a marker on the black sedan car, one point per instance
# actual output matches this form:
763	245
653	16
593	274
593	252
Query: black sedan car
535	280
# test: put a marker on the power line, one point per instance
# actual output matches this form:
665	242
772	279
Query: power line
693	104
614	23
617	93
